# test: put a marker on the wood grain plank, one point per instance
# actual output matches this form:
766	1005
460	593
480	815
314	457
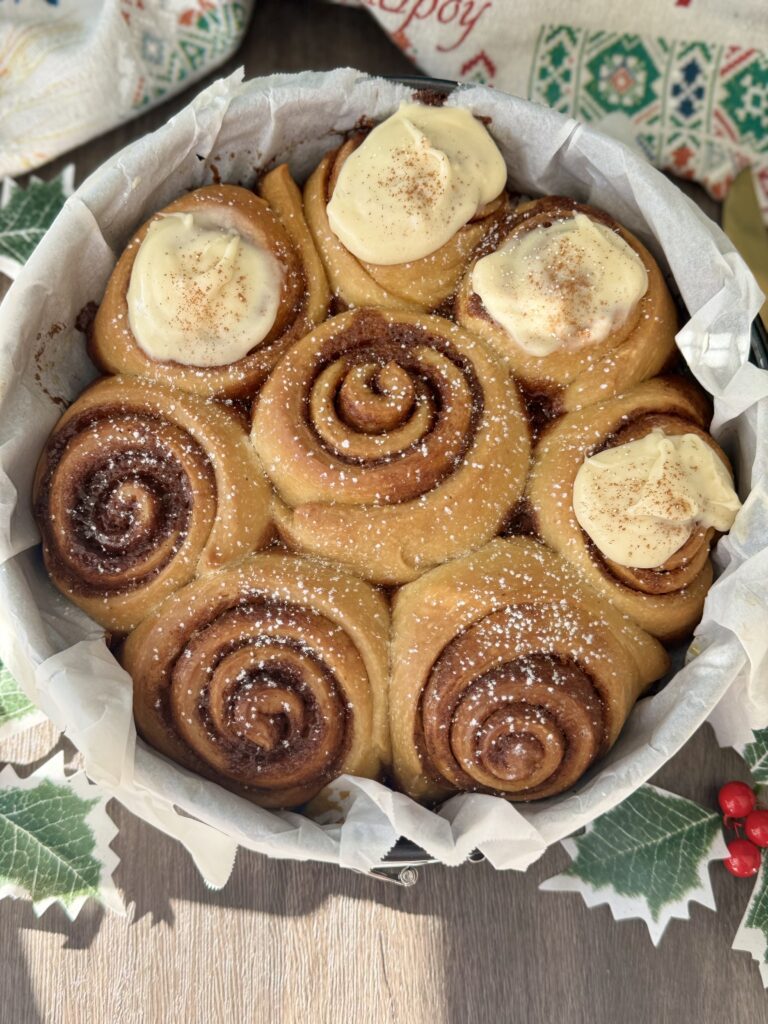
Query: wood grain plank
288	943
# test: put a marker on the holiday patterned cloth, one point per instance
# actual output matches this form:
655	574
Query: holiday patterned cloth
686	80
72	69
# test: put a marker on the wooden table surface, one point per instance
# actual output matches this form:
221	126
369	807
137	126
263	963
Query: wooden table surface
289	943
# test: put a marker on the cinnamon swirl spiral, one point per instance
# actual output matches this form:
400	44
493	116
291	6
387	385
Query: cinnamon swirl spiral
268	677
510	676
419	285
667	599
273	223
395	441
138	489
597	338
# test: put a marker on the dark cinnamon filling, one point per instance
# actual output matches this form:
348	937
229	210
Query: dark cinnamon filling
127	502
270	724
372	339
110	521
527	727
263	737
543	403
521	521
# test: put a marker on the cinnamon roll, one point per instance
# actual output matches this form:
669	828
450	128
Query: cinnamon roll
510	675
396	212
395	441
632	492
269	677
212	289
572	300
139	488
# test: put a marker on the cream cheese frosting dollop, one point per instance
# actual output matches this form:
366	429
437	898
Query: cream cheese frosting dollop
200	295
562	286
639	501
413	182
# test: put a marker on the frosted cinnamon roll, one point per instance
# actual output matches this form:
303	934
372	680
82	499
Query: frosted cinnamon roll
633	492
138	489
269	677
394	441
396	212
212	289
574	303
510	675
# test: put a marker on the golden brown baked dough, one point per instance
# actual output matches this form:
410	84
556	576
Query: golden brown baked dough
419	285
509	675
666	601
269	677
570	380
274	220
139	488
395	442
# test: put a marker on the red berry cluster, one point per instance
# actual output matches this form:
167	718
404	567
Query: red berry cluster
737	802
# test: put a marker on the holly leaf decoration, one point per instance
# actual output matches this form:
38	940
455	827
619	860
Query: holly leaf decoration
756	756
17	711
54	840
646	858
26	214
752	936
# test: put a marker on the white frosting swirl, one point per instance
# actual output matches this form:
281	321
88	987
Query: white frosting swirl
640	501
561	287
413	182
200	295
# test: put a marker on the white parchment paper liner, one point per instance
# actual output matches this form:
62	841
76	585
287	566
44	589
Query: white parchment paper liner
234	129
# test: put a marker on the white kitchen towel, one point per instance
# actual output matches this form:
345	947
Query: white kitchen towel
72	69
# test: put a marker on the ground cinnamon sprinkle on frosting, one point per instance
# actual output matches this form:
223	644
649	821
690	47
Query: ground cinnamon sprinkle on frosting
562	285
640	501
199	295
414	181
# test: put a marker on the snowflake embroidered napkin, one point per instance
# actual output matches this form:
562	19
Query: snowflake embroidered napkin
73	69
686	80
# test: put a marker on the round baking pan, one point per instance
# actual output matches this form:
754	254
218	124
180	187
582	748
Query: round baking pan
402	862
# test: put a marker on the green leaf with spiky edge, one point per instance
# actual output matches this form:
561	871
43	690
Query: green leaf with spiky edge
756	756
54	839
16	709
752	935
26	214
648	858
